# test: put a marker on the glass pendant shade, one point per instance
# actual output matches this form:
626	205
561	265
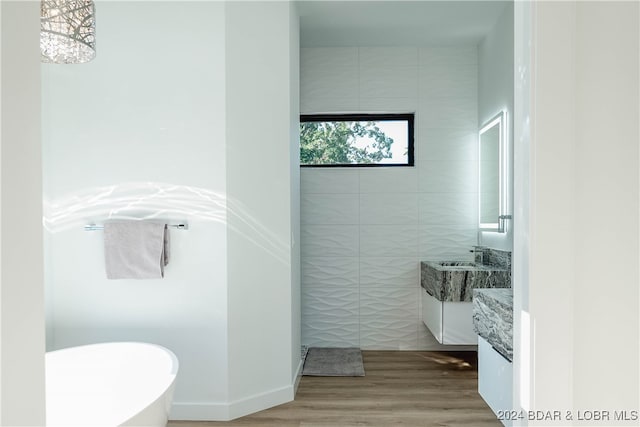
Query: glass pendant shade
67	31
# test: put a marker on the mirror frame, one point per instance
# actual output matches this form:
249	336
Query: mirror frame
499	120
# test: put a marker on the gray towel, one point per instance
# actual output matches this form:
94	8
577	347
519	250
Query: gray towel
135	249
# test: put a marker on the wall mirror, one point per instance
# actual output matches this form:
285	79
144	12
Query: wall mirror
492	177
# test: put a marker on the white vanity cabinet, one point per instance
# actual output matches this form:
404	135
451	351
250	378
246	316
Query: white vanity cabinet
450	322
495	380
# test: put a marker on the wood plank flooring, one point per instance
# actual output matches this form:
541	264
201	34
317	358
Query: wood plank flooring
401	388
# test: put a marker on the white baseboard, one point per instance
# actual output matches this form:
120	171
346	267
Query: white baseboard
259	402
184	411
297	377
214	411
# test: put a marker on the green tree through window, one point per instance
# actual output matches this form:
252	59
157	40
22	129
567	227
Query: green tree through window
345	140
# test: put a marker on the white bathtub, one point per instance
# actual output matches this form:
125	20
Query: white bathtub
110	384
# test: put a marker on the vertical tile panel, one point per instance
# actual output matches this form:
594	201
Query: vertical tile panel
404	214
389	180
447	242
331	181
388	105
444	80
388	208
448	144
329	209
389	271
388	333
448	208
329	73
324	272
449	112
388	72
448	177
388	240
329	240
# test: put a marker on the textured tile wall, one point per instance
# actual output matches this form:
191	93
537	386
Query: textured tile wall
364	231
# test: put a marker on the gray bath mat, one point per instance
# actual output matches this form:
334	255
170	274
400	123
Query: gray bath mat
333	362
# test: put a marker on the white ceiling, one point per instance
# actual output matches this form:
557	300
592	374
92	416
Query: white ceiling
395	22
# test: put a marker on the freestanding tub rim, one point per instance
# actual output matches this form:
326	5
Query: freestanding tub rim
109	383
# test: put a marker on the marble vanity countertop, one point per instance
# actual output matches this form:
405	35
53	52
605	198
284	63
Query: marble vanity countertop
493	318
455	281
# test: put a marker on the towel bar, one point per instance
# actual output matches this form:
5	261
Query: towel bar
94	227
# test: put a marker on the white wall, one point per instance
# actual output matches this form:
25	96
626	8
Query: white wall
522	192
185	114
576	314
294	138
261	103
22	382
495	93
146	120
364	230
607	110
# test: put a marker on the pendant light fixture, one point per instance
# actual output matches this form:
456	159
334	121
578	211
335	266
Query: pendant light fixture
67	31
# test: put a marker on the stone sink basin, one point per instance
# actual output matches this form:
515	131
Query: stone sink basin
455	280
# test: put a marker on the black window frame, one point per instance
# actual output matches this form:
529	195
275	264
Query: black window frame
353	117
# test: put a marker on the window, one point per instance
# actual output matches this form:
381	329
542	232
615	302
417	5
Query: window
356	140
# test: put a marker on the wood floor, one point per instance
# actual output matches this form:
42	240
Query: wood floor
401	388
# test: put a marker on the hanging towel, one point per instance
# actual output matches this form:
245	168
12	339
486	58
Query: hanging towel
135	249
